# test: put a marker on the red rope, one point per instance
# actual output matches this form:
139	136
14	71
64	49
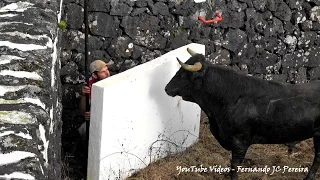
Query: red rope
214	20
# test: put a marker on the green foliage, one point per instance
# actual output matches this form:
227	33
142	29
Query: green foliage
178	31
62	25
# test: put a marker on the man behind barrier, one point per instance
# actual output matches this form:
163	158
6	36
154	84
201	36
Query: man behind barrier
99	71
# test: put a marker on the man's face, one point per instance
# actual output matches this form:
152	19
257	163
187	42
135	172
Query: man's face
103	73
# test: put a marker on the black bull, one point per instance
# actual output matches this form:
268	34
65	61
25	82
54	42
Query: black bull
245	110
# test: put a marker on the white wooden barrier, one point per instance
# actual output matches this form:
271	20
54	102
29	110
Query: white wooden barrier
134	122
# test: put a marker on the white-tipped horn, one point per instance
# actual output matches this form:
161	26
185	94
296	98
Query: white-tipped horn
191	52
193	68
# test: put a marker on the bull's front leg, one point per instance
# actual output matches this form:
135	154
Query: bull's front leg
239	151
316	161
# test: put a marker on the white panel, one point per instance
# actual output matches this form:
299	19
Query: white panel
134	122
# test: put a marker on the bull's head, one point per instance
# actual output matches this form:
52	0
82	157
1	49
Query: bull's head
188	79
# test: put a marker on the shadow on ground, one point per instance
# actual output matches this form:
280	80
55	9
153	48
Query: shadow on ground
73	159
208	153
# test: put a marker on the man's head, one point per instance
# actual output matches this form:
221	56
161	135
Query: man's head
99	70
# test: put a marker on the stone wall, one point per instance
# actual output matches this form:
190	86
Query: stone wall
270	39
30	105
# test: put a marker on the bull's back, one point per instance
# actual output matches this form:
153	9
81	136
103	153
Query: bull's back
288	119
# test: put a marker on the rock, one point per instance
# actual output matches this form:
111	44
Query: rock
271	44
150	40
149	55
99	5
234	40
271	5
283	12
260	4
210	45
79	59
306	39
263	62
153	9
130	25
316	2
73	40
299	17
160	8
128	64
317	40
70	96
186	22
306	6
73	78
185	8
315	14
138	11
94	43
250	50
236	6
144	32
130	3
65	57
120	9
301	76
179	40
281	78
315	26
291	41
69	68
276	27
237	19
98	54
267	15
120	47
134	26
250	13
141	3
198	34
270	59
255	20
307	25
216	34
243	68
294	4
106	43
294	60
104	25
311	56
246	54
137	51
168	23
74	16
221	57
314	73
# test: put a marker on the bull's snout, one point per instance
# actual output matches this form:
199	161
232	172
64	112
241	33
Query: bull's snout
171	91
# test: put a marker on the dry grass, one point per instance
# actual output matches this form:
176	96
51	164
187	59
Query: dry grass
207	152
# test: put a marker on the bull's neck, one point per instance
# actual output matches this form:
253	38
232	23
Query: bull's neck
210	105
226	86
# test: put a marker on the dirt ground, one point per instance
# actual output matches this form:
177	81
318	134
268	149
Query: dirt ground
208	154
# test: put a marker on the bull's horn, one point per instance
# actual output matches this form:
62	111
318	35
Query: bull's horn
193	68
191	52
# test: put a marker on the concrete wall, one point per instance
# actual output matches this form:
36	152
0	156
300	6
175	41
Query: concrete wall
30	107
133	120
